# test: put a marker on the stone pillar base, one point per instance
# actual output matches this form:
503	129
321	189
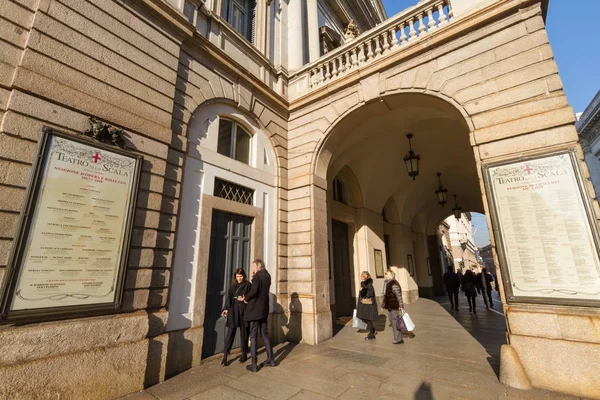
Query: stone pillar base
512	372
316	328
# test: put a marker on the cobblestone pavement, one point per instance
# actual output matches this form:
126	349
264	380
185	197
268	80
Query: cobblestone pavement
453	355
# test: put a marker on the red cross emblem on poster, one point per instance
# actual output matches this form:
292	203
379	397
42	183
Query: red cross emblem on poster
96	158
528	169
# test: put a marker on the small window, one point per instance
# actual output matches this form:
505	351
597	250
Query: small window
240	14
338	191
386	242
189	11
234	141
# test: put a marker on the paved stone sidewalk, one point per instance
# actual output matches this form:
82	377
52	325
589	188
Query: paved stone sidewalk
453	355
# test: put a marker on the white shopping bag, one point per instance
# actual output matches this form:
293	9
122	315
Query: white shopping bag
410	326
358	323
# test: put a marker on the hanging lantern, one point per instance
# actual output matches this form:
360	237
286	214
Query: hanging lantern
456	210
411	160
441	192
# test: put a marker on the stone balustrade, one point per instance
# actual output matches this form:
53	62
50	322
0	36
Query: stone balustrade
396	33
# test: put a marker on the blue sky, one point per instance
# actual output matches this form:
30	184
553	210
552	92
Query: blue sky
576	50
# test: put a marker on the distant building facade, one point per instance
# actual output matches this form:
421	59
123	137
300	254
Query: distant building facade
462	242
487	258
588	128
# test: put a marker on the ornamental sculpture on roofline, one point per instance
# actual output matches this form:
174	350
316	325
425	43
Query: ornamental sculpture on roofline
351	31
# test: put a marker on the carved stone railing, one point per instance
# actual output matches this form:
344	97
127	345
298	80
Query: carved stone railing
396	33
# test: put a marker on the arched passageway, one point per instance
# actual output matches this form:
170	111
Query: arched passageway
378	217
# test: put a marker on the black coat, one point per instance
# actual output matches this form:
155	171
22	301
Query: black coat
451	281
468	285
258	297
235	308
367	312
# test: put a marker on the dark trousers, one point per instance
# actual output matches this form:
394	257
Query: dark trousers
254	327
488	300
472	302
230	337
453	296
370	327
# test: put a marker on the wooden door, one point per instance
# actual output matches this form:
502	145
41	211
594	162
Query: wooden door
229	250
343	274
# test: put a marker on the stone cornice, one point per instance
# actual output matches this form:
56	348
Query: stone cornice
590	117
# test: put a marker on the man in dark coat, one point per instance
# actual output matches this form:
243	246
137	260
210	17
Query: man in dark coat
257	313
487	280
452	283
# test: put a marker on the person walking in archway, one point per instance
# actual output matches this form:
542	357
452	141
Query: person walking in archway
487	284
366	309
234	310
452	284
257	313
392	302
469	287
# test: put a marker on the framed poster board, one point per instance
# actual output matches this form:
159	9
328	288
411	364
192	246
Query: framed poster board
544	225
410	264
378	263
72	245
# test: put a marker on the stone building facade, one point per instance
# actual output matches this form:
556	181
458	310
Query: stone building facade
324	137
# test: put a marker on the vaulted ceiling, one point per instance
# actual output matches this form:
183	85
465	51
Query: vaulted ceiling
372	142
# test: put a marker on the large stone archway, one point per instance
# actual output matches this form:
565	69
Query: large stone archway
501	87
364	151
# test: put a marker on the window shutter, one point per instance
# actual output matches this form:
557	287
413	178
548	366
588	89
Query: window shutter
252	21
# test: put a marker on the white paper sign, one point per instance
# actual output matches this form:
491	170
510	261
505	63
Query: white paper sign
75	242
547	239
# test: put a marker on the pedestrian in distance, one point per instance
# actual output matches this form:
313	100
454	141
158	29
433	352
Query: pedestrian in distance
234	310
452	284
257	313
478	282
487	284
392	302
468	286
366	309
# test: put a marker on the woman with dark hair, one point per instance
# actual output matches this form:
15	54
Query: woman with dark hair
367	305
234	310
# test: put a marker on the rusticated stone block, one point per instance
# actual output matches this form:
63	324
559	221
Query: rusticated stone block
8	224
144	298
150	258
5	247
29	343
147	278
11	198
512	372
96	374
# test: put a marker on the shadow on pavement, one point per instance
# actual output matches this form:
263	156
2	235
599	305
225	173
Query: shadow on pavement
424	392
488	326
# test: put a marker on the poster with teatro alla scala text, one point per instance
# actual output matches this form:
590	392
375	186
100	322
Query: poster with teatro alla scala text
73	248
547	238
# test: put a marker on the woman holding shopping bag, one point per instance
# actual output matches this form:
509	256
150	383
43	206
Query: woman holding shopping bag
366	309
392	302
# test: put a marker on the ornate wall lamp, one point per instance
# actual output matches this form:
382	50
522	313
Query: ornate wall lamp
411	160
456	210
441	192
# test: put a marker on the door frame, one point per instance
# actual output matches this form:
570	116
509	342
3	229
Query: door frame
210	204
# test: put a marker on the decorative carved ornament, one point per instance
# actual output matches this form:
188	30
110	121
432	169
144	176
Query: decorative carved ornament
351	30
105	133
